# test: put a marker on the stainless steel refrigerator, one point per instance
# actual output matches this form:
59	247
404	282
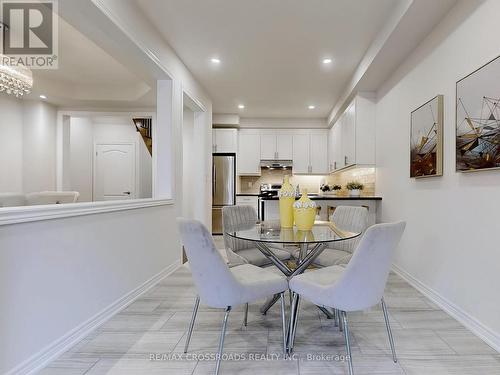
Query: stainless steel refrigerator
223	187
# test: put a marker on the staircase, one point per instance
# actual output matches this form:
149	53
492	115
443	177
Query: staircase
144	125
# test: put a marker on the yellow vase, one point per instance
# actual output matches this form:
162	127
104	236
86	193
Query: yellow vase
287	199
304	212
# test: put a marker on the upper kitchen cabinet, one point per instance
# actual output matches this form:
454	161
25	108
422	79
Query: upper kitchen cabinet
249	152
334	146
319	151
276	144
352	137
224	140
310	150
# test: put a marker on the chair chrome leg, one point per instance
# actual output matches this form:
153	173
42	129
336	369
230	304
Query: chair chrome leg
341	322
191	324
269	303
347	341
245	319
221	341
283	321
389	332
337	317
293	322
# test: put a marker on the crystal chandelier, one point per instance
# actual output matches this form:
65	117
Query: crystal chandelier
15	80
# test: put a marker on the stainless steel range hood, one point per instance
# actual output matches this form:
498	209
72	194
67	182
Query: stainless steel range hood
276	164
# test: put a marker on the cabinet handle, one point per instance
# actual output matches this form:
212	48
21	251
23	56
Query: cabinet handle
334	165
277	155
345	160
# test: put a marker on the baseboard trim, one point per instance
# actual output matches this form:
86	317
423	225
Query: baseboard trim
59	346
475	326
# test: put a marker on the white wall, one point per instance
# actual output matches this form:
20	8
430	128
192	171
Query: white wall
81	150
451	242
11	144
27	145
189	164
67	270
145	169
84	132
57	274
39	146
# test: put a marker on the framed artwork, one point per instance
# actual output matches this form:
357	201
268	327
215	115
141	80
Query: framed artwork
426	139
478	119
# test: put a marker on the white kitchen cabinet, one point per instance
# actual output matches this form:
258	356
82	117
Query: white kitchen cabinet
301	155
348	144
319	152
335	146
352	137
284	145
268	145
310	151
224	140
249	152
276	145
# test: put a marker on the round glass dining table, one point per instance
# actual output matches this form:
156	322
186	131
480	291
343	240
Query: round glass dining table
311	243
267	234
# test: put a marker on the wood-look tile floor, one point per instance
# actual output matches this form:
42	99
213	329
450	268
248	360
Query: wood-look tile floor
428	341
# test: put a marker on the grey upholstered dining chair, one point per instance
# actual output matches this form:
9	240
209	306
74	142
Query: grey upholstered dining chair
357	286
241	251
222	287
353	219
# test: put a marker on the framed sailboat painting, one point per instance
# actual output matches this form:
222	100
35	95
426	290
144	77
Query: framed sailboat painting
478	119
426	139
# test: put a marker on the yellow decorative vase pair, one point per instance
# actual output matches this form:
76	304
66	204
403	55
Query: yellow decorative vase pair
302	212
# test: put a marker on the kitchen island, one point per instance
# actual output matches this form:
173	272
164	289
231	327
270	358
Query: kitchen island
270	206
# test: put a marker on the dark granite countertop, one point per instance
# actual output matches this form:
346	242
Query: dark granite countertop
330	198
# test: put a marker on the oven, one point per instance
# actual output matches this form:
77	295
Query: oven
267	191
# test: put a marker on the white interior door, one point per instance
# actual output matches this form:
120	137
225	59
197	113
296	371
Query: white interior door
114	171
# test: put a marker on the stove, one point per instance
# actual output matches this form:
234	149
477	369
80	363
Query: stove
269	190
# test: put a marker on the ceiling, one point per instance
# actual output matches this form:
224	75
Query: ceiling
88	77
271	51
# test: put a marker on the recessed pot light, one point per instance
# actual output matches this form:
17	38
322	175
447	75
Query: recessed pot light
327	61
241	106
311	107
43	97
215	60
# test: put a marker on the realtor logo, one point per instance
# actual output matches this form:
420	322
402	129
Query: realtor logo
29	31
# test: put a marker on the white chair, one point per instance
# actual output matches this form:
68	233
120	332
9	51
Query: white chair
12	199
241	251
222	287
52	197
357	286
350	218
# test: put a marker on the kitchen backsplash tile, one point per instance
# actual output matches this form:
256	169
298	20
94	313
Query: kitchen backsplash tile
365	175
275	176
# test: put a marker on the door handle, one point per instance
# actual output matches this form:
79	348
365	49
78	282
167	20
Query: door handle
126	192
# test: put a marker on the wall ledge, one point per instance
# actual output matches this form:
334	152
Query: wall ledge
26	214
485	333
43	358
